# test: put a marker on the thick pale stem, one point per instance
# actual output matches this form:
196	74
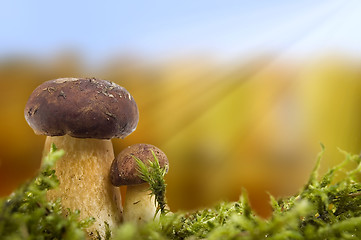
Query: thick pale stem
139	205
83	173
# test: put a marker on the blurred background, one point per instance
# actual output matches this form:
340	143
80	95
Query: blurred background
238	94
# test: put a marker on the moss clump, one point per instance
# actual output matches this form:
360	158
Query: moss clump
26	214
323	209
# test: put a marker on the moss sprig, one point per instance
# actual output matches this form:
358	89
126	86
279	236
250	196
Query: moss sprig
153	174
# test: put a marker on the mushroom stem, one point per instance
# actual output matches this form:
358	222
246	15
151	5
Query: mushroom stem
83	173
139	205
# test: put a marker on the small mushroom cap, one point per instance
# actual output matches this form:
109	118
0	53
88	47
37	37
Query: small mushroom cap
82	108
124	167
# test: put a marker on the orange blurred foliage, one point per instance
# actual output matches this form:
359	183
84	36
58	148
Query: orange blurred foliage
254	125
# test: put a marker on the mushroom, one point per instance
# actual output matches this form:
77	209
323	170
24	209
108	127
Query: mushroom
80	116
139	205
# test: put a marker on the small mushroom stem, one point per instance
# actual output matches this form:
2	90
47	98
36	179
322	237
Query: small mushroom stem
139	205
83	173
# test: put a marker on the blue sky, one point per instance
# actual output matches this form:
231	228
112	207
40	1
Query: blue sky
225	29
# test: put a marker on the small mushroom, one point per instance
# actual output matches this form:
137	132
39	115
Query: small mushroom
81	116
139	205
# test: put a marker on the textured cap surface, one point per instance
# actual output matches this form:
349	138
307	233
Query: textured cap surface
124	168
82	108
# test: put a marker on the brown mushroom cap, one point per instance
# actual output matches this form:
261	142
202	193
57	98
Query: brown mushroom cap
124	167
82	108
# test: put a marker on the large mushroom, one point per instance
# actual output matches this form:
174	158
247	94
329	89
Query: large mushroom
81	116
139	205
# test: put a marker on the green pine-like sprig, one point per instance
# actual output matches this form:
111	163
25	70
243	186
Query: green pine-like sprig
153	174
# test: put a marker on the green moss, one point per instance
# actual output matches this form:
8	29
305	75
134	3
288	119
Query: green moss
26	214
153	174
323	209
